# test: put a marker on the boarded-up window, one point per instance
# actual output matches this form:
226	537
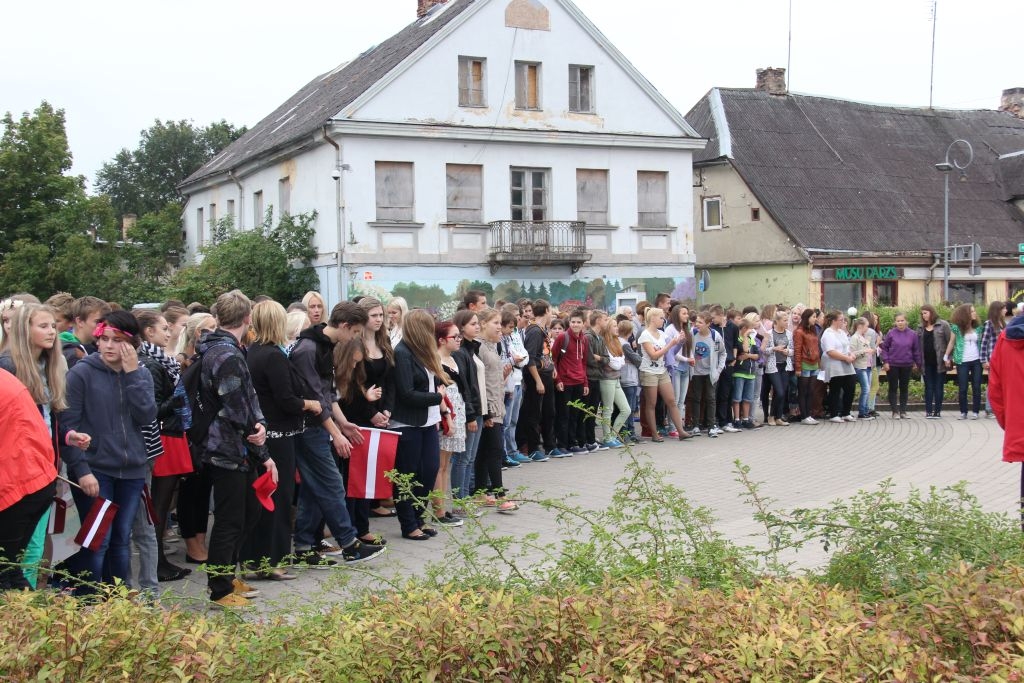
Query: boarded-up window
592	195
712	213
471	82
257	208
284	195
581	88
394	191
200	227
465	193
527	85
652	199
529	188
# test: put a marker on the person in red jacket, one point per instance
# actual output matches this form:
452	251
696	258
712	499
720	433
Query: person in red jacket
569	354
27	475
1006	370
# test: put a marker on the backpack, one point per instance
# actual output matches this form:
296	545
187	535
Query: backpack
198	407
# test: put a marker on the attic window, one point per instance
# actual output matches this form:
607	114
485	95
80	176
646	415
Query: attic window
471	81
713	213
581	89
755	213
527	85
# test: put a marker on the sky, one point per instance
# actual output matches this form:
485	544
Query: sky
115	66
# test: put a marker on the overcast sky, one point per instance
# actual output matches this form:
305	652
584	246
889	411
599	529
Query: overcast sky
115	66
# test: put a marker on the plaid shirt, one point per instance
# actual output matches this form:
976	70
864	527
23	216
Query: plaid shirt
988	341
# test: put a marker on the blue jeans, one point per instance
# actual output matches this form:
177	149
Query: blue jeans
418	454
864	378
969	374
322	494
113	559
742	389
934	381
779	382
464	462
513	402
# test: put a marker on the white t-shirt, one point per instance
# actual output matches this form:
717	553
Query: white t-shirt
835	340
658	340
971	351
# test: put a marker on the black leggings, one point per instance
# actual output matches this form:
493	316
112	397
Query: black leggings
805	395
898	378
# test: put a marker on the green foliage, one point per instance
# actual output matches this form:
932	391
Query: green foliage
34	157
145	180
964	625
420	296
887	315
276	261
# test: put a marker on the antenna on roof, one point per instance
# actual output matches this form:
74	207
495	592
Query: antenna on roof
931	80
789	46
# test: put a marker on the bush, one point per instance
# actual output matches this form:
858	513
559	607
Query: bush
964	625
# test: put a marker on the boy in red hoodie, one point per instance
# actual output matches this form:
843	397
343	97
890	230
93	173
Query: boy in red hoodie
569	354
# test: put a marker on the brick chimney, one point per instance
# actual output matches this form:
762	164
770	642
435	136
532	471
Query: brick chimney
423	6
1013	102
771	80
127	223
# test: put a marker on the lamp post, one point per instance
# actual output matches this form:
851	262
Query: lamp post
947	167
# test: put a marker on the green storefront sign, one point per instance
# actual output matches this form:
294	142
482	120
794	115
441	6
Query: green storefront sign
867	273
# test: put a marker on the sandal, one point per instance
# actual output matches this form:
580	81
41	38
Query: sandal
508	506
413	536
383	512
429	530
659	439
374	539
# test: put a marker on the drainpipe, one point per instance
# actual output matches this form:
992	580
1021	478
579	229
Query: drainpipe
339	212
936	262
241	199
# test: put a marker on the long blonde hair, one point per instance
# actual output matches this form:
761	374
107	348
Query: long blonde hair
23	355
418	335
190	335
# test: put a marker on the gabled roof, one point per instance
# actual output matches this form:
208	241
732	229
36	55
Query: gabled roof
840	175
1011	173
313	106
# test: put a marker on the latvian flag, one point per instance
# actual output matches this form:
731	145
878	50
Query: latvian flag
368	463
96	524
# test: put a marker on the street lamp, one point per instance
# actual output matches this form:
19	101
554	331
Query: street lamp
948	166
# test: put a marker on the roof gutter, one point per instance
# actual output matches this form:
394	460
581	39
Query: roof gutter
339	211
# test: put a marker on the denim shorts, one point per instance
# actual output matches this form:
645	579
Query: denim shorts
742	389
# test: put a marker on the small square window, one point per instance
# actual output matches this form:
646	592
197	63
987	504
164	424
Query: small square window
755	213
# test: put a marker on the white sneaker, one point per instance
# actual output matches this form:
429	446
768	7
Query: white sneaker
714	432
729	428
974	416
809	421
963	416
836	419
849	418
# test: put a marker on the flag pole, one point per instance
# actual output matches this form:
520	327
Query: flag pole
70	482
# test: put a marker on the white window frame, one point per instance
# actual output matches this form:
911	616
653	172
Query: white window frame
468	95
581	89
200	227
523	100
395	204
705	206
528	209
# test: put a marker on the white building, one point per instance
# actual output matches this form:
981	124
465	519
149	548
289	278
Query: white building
480	111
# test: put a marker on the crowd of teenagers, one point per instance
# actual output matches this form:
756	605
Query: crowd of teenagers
97	391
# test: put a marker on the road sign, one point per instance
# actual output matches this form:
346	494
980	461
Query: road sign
1020	247
700	283
705	281
1022	260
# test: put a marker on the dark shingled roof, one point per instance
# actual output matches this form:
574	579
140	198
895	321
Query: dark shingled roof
313	106
840	175
1011	173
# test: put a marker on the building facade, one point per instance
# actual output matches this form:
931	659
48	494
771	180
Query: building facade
492	143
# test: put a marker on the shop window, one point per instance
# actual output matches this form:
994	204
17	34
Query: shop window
885	293
967	292
841	295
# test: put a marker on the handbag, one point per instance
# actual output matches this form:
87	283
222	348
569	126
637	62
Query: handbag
176	460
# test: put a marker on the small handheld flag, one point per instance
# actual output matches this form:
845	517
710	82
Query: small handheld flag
96	524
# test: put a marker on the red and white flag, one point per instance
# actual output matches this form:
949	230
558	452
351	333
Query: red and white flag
96	524
147	503
368	463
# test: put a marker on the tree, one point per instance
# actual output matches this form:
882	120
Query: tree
260	261
34	157
542	292
146	179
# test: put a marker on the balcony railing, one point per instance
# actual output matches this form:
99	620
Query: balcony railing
538	243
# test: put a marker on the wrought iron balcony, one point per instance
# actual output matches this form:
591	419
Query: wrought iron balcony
535	243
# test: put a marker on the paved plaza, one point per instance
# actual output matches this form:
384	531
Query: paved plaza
800	466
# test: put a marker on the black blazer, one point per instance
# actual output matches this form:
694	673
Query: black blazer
280	390
413	393
468	383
